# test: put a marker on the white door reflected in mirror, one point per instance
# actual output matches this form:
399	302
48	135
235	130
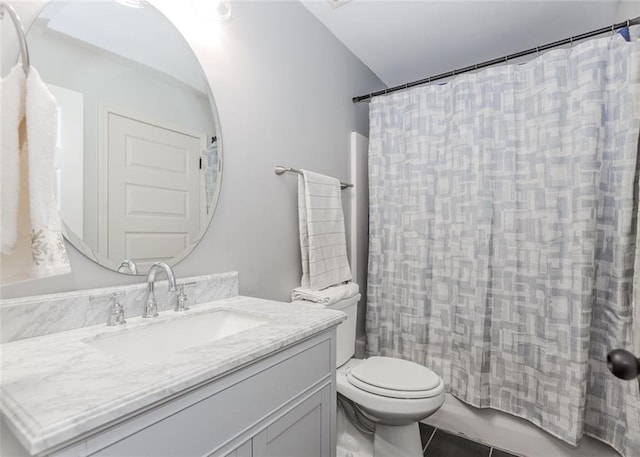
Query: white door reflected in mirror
155	190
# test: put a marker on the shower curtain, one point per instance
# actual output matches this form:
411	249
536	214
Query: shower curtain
503	225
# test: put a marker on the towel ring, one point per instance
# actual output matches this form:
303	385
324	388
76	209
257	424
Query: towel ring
22	39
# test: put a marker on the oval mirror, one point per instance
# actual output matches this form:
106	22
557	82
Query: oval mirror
139	158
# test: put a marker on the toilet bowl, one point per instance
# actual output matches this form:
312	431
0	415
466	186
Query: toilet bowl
392	394
388	391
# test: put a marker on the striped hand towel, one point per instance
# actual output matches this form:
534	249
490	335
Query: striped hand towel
322	238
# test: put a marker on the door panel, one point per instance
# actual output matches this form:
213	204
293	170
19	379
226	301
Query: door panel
153	191
303	431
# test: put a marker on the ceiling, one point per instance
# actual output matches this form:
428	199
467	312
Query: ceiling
403	41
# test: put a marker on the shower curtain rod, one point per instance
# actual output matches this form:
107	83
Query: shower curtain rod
612	28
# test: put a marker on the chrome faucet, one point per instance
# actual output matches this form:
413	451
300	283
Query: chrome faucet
151	307
128	266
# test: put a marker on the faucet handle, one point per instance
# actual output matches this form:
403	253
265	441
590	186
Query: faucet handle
181	302
128	266
116	311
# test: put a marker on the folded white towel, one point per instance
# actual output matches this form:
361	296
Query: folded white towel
39	247
11	114
327	296
323	245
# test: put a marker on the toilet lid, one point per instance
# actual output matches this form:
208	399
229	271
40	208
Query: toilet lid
394	378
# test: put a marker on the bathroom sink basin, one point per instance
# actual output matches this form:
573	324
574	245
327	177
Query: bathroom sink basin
157	342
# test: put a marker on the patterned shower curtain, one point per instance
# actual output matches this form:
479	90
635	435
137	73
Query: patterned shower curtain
503	224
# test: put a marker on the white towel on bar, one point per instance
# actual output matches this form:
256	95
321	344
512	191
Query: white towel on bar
327	296
39	249
11	114
322	239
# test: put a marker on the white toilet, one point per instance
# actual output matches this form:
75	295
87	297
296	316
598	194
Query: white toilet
393	394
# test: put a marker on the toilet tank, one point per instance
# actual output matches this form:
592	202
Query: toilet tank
346	331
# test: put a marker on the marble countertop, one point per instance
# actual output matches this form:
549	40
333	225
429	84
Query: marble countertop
58	387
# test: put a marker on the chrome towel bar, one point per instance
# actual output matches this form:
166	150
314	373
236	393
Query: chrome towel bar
280	170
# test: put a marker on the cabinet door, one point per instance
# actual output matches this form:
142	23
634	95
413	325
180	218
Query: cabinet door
302	432
242	451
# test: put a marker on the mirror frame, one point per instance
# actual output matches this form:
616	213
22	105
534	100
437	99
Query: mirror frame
92	254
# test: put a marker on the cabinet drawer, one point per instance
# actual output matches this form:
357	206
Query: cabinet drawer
204	420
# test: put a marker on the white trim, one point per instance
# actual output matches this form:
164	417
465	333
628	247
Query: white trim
102	162
353	252
358	198
504	431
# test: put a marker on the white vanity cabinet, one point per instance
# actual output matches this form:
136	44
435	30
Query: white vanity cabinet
282	405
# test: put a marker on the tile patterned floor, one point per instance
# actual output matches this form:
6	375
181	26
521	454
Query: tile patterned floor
437	443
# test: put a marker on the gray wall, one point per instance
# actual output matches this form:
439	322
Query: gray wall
627	9
283	86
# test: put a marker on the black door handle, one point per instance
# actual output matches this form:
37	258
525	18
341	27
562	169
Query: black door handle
623	364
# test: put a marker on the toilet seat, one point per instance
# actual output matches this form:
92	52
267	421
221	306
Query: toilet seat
395	378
